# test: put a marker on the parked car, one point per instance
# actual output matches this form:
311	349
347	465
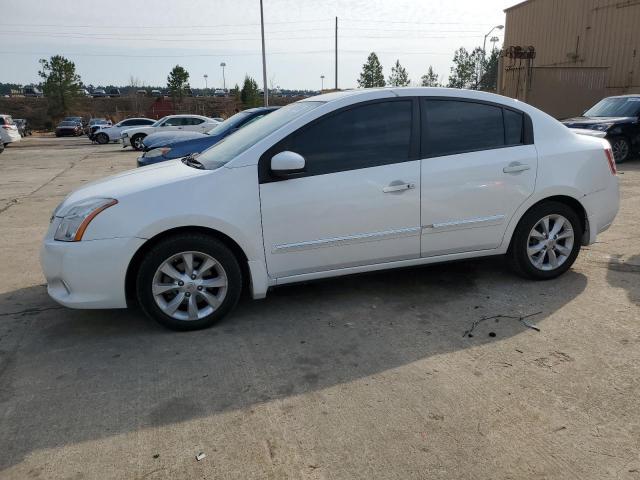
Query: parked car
219	92
167	146
8	131
104	134
68	128
23	126
95	124
32	91
99	92
142	92
342	183
615	118
79	120
134	137
113	92
156	93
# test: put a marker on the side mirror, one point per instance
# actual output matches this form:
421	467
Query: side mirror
287	164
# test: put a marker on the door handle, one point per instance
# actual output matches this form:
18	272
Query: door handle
515	167
401	187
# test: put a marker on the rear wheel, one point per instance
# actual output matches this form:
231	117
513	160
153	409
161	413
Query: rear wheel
546	241
102	138
136	141
621	149
188	282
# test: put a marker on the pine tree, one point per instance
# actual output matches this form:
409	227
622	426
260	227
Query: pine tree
430	79
249	93
178	82
371	75
61	84
464	73
399	76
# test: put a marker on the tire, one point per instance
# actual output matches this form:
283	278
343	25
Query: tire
211	303
102	138
565	249
621	149
136	141
1	148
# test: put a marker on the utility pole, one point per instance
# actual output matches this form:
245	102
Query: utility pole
205	84
224	82
264	60
321	83
336	53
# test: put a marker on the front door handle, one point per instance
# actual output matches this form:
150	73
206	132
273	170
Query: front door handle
398	187
515	167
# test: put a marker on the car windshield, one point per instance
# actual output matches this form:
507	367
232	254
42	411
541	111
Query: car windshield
68	124
228	124
615	107
247	137
157	124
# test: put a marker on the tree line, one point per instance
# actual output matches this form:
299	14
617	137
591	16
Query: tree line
471	70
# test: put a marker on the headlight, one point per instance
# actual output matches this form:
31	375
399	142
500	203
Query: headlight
157	152
125	135
76	217
602	127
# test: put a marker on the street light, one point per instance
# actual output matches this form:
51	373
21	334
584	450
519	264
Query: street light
205	83
484	49
224	82
321	83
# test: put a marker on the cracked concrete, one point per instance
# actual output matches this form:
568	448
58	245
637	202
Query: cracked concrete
353	378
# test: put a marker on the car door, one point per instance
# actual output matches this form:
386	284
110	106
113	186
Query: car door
194	124
479	165
174	123
358	200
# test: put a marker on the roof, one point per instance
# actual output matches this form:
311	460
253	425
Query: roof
520	4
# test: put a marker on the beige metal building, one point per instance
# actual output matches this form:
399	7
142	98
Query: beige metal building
584	50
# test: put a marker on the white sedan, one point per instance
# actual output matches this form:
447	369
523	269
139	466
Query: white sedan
111	133
195	123
341	183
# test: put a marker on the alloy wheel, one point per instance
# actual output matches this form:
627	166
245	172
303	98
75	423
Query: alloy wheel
189	285
620	149
550	242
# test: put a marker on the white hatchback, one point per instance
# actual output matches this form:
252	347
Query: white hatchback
337	184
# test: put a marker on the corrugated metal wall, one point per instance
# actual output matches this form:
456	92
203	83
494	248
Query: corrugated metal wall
582	39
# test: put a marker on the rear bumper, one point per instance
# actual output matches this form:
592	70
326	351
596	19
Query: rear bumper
11	136
602	208
88	274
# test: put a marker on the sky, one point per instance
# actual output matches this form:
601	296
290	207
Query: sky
112	42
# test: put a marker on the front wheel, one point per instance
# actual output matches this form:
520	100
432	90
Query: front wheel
546	241
621	149
189	282
136	141
102	138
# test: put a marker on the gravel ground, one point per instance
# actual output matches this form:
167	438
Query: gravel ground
354	378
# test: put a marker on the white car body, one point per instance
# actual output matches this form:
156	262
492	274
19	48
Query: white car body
9	132
115	131
191	123
416	212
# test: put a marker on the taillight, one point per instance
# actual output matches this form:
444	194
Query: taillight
612	161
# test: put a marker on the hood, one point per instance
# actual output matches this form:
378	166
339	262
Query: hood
162	139
134	181
132	131
195	145
586	122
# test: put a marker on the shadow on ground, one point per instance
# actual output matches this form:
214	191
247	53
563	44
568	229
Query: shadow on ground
626	274
68	376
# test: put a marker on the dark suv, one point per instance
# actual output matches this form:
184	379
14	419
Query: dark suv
617	120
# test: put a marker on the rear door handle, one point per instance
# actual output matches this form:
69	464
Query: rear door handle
398	187
516	167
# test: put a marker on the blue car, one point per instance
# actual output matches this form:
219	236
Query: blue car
171	145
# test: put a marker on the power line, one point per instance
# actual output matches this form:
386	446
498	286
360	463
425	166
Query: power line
225	54
156	27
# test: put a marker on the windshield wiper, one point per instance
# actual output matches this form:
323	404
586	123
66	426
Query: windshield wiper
191	161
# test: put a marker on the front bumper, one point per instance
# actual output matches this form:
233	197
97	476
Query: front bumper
88	274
